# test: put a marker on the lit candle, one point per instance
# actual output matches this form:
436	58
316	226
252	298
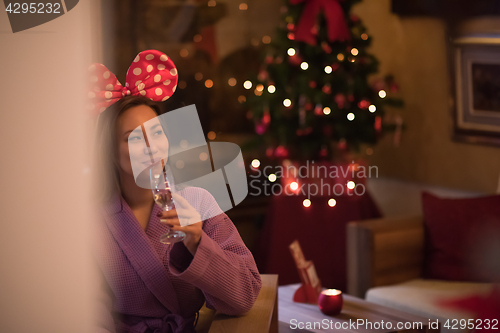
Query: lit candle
330	302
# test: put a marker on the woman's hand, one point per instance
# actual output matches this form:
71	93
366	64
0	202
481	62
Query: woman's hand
186	215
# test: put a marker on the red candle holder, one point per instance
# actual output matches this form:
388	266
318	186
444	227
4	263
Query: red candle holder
330	302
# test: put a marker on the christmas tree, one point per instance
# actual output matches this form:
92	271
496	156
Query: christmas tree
315	95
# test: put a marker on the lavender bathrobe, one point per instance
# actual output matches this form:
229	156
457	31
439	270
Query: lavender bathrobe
154	287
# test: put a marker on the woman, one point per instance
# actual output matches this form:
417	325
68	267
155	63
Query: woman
155	287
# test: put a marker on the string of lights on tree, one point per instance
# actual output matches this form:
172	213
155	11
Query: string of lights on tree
312	98
315	96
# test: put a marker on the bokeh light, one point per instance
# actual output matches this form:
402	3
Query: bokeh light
211	135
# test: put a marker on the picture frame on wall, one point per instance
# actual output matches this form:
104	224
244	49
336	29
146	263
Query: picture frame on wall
477	86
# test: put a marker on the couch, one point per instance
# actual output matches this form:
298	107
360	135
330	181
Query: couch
385	265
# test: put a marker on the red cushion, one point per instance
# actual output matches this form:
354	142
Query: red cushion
458	236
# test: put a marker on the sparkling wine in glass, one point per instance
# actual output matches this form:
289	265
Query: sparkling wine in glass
162	195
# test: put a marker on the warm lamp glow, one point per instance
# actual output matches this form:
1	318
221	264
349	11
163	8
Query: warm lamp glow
247	84
354	52
231	82
211	135
340	57
259	87
209	83
327	110
211	3
243	6
266	39
364	36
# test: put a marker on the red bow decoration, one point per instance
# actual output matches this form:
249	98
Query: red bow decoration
152	74
334	15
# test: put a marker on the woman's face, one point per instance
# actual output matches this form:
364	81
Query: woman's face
141	140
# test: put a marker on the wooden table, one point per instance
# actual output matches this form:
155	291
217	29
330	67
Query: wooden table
262	317
354	309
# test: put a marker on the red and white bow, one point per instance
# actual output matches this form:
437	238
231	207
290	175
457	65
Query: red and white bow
152	74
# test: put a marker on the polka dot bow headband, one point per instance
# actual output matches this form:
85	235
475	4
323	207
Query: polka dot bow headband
152	74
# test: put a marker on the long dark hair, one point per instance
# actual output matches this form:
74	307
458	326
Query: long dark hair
106	145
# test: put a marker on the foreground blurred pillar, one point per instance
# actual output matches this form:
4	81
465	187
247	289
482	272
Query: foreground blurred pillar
46	281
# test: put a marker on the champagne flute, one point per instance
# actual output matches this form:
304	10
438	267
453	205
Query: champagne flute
162	194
